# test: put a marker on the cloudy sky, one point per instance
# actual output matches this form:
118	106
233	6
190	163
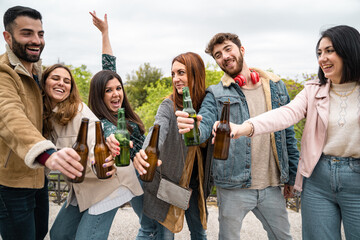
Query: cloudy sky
277	34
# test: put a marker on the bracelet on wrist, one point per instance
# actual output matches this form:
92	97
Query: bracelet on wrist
252	129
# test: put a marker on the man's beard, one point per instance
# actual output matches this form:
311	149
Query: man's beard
20	51
238	69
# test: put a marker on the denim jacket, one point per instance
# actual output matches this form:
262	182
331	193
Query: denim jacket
235	172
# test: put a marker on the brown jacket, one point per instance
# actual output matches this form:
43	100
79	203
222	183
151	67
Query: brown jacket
21	140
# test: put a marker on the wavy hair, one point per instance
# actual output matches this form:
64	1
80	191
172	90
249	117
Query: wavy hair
98	106
346	42
195	71
66	110
219	39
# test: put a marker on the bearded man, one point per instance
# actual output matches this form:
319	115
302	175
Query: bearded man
250	179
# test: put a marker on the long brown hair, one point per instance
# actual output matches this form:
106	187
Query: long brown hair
67	109
98	106
195	70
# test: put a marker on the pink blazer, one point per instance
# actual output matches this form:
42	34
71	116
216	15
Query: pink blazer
311	103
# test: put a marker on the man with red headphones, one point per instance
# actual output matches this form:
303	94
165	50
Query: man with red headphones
250	179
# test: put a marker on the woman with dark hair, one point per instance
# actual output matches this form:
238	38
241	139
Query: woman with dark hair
180	164
328	173
92	204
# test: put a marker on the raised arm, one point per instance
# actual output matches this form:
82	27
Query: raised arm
103	26
108	59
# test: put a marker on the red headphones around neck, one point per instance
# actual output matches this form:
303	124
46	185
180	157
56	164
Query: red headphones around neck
241	80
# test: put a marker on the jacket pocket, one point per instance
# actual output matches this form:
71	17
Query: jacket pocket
234	107
355	165
7	158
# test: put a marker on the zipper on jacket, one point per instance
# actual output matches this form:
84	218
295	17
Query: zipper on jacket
7	158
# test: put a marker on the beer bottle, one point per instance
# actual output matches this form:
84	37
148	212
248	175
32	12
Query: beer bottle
101	152
81	147
123	137
191	138
222	139
152	153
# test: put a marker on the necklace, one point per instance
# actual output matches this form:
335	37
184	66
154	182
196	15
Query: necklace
344	94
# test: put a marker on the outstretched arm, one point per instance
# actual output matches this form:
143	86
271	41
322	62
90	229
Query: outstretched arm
103	26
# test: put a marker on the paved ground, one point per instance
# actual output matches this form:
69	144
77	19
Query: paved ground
125	225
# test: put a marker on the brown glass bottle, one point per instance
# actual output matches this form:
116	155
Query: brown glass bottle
81	147
152	153
222	139
101	152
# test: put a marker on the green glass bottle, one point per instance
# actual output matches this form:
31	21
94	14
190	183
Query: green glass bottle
191	138
123	137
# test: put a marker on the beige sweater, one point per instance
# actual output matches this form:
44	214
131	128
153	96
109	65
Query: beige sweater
92	190
343	121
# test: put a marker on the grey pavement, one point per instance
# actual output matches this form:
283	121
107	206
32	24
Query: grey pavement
126	225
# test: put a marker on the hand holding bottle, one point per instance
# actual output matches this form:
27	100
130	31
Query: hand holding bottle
109	163
113	145
67	161
237	130
140	162
185	123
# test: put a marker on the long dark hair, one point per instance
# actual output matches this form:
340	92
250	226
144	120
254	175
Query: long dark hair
97	104
67	109
195	70
346	42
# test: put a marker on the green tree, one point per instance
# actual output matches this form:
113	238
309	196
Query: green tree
82	78
157	92
213	74
294	87
137	82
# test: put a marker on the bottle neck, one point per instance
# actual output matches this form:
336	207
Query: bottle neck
154	136
99	133
121	122
225	113
187	103
82	135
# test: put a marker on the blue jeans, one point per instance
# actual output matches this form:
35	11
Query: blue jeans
149	228
70	223
192	215
268	205
329	196
24	213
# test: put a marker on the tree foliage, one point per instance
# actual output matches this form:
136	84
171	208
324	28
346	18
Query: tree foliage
82	79
294	87
137	81
157	92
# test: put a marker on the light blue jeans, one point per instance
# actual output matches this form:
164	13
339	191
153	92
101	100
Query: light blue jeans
329	196
70	223
268	205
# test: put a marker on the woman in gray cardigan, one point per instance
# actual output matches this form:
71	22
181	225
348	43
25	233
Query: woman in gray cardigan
180	164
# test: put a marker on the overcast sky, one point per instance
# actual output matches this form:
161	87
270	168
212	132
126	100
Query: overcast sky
277	34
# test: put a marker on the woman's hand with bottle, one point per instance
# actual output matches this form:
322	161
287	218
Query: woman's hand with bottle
114	144
237	130
184	122
109	163
140	162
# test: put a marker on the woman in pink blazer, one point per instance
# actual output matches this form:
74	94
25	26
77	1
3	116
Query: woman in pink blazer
328	173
